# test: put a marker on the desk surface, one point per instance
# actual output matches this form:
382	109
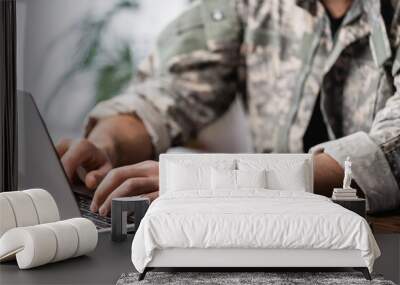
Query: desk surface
386	223
102	266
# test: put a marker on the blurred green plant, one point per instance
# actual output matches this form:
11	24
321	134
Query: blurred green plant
112	70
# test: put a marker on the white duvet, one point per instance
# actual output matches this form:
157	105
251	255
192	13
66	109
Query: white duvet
250	219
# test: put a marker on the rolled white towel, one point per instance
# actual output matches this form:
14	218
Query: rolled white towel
67	240
26	208
41	244
7	217
87	235
32	246
23	208
45	205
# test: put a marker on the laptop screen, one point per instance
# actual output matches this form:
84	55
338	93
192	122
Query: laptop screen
38	163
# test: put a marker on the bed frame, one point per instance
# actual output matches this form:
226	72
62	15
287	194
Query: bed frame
241	259
256	258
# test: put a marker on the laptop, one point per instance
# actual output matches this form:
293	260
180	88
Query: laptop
40	167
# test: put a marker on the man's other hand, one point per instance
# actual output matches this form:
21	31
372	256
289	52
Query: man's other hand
131	180
81	153
328	174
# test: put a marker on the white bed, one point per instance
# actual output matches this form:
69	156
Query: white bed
248	227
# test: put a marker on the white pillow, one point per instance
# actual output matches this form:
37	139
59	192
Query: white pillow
183	178
230	180
193	174
251	178
223	179
282	174
293	180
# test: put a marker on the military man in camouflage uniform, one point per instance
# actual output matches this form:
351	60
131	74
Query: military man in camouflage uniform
286	60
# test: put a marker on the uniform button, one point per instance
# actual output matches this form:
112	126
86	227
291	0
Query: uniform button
217	15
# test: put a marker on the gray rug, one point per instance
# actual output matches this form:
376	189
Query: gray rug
230	278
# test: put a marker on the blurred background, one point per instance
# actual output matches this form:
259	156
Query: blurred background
73	54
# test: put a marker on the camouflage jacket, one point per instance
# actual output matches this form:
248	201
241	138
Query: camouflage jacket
280	55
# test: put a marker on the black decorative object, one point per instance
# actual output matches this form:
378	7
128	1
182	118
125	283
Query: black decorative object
357	205
120	207
8	100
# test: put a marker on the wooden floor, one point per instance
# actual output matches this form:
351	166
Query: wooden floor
385	223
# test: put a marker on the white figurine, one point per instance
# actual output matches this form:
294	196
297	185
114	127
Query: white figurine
347	174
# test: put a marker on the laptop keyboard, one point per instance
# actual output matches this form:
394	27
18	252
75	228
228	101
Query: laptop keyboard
84	207
100	222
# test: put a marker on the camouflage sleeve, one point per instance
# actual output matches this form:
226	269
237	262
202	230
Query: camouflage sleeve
189	81
376	155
